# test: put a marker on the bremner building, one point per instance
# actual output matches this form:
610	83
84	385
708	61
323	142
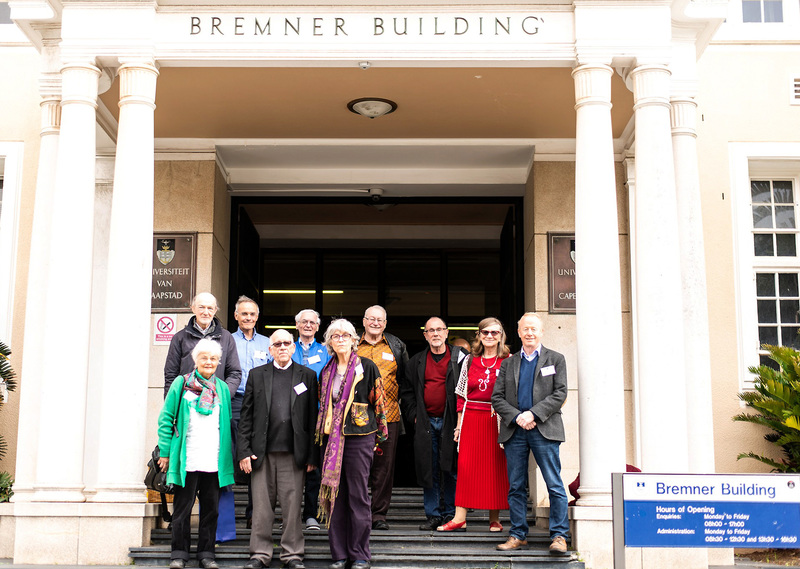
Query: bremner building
517	128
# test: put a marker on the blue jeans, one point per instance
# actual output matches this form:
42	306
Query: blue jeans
546	454
444	483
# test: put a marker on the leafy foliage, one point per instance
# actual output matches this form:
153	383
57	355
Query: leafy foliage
5	487
776	401
7	376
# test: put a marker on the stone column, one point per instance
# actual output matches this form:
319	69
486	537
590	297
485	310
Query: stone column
65	326
598	315
35	314
695	299
662	390
123	404
597	287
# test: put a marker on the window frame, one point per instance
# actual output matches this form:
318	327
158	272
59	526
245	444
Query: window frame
756	161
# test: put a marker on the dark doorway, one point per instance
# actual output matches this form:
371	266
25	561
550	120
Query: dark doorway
459	259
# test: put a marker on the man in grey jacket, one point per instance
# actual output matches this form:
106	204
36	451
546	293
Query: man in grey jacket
528	395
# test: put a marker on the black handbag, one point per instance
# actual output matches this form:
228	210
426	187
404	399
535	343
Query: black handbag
157	481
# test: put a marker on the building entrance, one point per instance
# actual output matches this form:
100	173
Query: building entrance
458	259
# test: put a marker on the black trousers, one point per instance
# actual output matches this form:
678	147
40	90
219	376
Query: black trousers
207	484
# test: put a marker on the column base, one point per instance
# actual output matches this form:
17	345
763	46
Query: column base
78	534
593	535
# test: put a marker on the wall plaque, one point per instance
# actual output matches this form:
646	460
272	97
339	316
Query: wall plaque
561	270
174	271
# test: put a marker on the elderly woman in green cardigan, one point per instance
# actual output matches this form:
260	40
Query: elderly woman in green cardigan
194	438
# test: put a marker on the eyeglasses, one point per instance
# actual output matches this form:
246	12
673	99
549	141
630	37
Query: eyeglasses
305	322
533	329
282	344
436	330
373	319
341	337
491	332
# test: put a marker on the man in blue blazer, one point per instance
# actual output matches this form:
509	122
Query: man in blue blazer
528	395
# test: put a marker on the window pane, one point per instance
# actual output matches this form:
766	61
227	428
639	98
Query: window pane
789	336
751	11
773	10
768	335
763	245
356	274
769	362
765	284
767	312
786	245
787	284
759	190
5	13
784	216
783	191
789	310
289	284
412	285
762	217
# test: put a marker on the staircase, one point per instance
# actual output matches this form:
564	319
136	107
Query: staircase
403	546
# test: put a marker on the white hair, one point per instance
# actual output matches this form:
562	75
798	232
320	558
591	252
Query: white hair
299	315
340	325
207	346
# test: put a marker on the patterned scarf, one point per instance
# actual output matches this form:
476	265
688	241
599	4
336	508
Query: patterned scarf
205	389
332	461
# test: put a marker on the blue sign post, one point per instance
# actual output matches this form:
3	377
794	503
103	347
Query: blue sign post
705	510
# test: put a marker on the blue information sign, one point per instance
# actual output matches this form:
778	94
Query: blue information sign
711	510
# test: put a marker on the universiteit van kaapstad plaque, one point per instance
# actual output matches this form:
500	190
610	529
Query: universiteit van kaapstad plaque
561	261
173	272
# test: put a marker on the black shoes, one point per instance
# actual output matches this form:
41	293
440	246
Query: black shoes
380	524
177	564
295	564
208	563
254	564
431	524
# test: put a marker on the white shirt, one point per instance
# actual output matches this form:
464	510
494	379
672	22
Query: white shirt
202	439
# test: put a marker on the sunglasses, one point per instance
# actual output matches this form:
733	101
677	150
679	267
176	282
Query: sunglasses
282	344
491	332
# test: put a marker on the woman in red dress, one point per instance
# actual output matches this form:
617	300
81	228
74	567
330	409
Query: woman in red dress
482	481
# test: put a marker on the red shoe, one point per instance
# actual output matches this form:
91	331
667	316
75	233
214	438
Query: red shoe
453	526
495	526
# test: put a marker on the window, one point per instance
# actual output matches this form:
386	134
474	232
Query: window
778	306
5	13
774	225
757	11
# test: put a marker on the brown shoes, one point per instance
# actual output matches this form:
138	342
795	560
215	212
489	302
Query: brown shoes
559	545
514	543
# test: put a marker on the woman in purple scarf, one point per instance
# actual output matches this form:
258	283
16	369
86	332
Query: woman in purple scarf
351	422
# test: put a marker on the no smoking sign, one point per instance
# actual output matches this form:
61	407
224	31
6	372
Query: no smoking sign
164	328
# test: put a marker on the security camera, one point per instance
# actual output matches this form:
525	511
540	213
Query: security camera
375	194
364	65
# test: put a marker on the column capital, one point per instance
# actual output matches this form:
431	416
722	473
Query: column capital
683	116
80	81
651	83
137	82
592	84
51	115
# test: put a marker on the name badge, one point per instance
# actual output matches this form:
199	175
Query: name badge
314	359
300	388
259	355
387	356
549	370
461	356
359	369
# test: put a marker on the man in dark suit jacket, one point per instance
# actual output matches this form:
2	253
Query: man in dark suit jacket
276	432
528	395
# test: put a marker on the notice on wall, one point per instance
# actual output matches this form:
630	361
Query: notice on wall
164	328
711	510
561	272
174	263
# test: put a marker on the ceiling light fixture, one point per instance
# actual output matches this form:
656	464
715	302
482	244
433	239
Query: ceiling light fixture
372	107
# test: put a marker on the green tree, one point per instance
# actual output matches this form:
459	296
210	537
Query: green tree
776	402
7	383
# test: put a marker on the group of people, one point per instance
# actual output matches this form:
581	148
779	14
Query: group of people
315	426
